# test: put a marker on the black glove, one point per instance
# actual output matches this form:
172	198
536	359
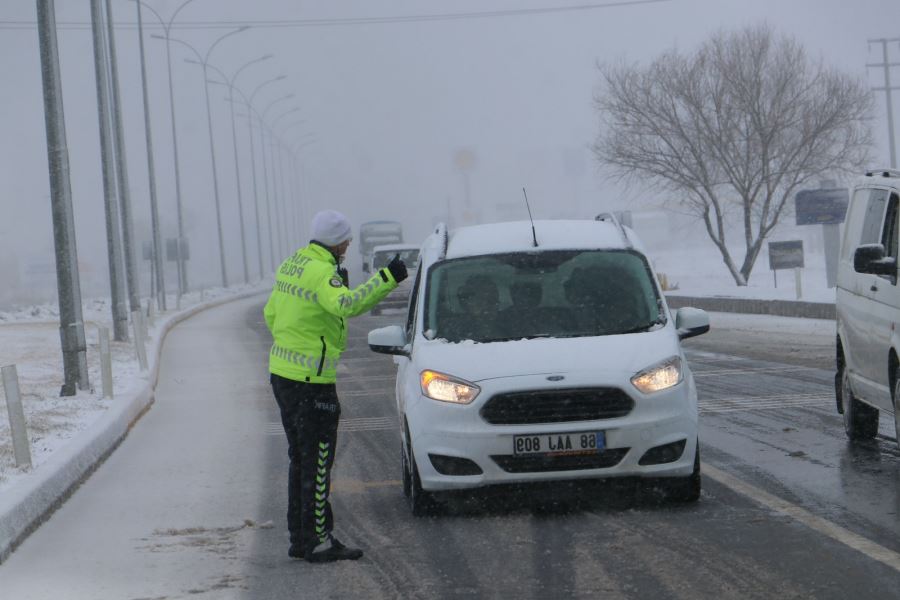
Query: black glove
344	275
397	268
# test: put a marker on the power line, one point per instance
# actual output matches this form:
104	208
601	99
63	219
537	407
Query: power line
349	21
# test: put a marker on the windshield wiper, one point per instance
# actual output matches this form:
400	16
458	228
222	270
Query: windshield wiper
641	328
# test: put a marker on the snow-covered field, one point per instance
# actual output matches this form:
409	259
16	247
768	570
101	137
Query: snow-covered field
29	339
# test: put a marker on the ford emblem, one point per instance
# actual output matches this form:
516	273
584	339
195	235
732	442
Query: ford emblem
555	378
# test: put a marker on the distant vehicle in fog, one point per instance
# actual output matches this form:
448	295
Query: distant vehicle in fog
379	259
377	233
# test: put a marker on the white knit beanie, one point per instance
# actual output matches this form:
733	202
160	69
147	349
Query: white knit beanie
331	228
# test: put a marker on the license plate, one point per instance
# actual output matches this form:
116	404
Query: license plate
580	442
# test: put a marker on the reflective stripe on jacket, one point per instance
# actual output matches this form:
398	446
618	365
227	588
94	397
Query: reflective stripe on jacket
306	313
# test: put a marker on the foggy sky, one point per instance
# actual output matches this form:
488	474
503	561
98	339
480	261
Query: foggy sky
389	106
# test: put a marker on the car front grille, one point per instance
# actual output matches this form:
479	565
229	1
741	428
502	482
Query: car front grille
556	406
542	463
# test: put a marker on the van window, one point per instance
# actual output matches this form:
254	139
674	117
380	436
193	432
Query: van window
872	226
889	233
853	225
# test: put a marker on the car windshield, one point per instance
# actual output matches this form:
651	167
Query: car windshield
565	293
409	258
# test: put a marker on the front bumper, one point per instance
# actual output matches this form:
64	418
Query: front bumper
448	430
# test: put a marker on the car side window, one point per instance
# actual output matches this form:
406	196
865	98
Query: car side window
413	302
872	226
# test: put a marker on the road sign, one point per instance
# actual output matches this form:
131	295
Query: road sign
172	249
821	207
786	255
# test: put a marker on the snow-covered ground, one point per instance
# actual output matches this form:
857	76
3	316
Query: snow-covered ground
29	339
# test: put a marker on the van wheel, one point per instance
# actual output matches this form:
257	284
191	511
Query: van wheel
860	419
686	489
421	503
897	406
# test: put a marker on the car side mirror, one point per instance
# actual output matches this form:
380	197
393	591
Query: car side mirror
389	340
870	258
691	322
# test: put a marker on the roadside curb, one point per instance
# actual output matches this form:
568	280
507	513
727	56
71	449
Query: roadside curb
780	308
27	505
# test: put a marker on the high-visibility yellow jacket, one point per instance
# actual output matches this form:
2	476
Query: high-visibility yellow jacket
306	314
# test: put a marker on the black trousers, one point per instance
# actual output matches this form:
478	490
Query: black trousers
310	414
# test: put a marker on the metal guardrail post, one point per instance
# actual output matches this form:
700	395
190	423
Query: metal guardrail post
105	362
137	324
21	448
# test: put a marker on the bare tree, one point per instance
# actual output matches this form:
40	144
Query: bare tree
734	129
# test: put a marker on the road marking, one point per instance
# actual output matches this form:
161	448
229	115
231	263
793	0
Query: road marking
871	549
355	486
751	403
349	425
751	370
370	378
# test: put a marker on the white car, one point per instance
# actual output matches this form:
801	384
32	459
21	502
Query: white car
542	357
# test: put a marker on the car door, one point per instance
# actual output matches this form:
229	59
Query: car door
884	299
404	363
862	354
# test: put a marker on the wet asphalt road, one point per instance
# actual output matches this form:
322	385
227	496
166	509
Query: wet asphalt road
789	508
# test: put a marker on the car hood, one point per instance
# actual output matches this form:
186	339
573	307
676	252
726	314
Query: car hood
547	356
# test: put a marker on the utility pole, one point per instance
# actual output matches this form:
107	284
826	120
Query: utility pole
887	89
113	244
158	262
68	284
131	271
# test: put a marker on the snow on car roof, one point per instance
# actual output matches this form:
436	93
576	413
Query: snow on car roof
516	236
394	247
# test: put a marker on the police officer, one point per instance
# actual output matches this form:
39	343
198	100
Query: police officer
306	314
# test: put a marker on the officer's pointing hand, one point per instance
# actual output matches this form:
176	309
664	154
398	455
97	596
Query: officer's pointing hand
397	268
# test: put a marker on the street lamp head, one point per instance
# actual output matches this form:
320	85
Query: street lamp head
192	61
157	36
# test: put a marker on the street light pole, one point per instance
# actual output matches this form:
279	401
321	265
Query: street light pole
285	196
113	240
71	321
131	274
274	232
158	263
237	169
182	268
250	111
204	61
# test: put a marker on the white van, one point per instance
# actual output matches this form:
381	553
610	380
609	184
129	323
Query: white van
868	307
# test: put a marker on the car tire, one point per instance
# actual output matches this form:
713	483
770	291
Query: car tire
860	419
421	503
896	400
686	489
407	479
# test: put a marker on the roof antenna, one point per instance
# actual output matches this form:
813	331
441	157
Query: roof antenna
533	234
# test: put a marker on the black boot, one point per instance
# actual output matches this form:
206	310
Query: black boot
332	550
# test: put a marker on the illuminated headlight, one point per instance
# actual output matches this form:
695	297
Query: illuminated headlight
445	388
660	376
